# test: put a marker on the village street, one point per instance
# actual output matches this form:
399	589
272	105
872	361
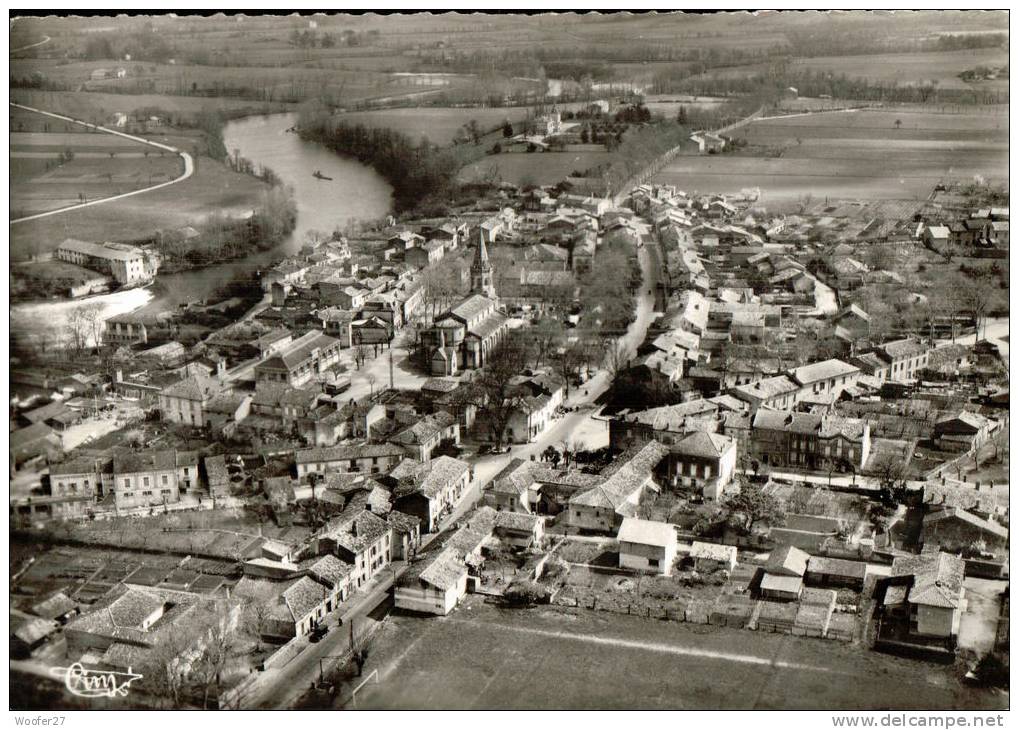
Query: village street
281	686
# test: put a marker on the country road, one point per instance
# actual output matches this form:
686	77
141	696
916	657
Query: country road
44	41
189	165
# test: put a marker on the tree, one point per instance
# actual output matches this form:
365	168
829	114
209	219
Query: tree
498	398
507	129
898	123
751	506
360	648
372	380
92	320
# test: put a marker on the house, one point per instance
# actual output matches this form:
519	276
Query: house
127	329
129	626
708	557
405	240
421	438
32	442
603	507
707	143
363	539
809	440
530	418
906	358
824	572
936	237
647	546
302	360
433	585
359	458
433	490
704	462
955	529
829	377
217	475
146	478
965	431
783	574
422	256
56	415
298	607
185	402
519	530
926	594
78	477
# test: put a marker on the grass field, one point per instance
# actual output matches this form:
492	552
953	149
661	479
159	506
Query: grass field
855	155
913	68
481	657
539	168
213	188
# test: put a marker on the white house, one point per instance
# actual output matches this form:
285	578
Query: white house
647	545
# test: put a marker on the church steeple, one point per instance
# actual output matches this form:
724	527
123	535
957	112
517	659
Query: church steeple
482	276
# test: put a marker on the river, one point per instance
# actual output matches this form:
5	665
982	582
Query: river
356	192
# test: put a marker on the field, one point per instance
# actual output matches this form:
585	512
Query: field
103	166
213	188
538	168
854	155
481	657
438	125
913	68
101	106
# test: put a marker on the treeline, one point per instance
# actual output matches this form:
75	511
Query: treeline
817	83
865	41
222	238
420	173
639	148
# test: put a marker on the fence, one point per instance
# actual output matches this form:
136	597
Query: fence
701	611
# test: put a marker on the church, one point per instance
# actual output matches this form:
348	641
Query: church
466	335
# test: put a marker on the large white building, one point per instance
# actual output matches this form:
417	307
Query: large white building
129	265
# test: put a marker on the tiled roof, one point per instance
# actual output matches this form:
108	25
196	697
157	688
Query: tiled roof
143	461
703	444
937	578
329	568
787	560
903	349
304	596
299	351
345	452
421	431
767	388
472	307
814	372
442	472
194	387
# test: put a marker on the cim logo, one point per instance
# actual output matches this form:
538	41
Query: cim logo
92	683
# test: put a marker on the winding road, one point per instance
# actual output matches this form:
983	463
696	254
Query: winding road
189	165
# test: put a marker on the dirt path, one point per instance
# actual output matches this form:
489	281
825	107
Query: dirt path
189	164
